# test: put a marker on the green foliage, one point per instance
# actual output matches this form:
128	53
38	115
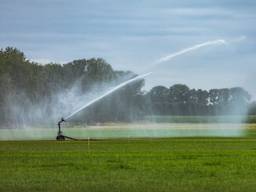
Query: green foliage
180	100
252	109
27	87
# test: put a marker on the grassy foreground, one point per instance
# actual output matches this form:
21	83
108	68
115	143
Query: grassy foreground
175	164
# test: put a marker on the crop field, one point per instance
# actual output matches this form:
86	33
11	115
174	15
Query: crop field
155	162
168	164
131	163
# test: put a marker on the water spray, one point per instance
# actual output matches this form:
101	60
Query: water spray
61	136
198	46
190	49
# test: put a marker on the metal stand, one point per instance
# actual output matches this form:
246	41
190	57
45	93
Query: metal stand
60	136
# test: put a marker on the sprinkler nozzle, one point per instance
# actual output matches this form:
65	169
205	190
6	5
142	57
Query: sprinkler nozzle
62	119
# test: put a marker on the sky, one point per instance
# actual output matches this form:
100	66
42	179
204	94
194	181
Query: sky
133	35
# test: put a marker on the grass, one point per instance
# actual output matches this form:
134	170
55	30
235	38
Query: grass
167	164
132	130
202	119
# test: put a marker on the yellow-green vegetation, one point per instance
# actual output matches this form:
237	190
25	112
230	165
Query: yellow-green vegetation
202	119
171	164
134	130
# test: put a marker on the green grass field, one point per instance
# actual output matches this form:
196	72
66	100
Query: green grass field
131	157
167	164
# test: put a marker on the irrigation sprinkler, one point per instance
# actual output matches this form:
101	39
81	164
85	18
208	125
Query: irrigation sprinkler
60	136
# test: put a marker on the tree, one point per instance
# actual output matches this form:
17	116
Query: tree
252	108
34	93
158	98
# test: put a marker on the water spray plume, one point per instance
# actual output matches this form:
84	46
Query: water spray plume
163	59
190	49
237	40
106	94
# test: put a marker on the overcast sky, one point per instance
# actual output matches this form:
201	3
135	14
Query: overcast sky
131	35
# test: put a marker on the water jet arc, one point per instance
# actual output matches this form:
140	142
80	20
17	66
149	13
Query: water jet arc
190	49
61	137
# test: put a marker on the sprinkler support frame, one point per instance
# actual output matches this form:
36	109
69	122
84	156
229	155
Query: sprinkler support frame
60	136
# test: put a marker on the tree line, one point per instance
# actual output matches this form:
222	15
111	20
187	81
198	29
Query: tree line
36	93
179	99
